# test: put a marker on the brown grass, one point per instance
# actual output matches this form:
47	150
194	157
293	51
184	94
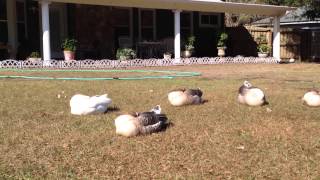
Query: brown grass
217	140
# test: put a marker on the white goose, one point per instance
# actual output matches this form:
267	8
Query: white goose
251	95
182	97
85	105
312	98
141	123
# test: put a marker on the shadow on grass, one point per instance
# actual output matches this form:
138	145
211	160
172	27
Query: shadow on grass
113	109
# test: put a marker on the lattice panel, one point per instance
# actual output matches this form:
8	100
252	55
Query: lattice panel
113	64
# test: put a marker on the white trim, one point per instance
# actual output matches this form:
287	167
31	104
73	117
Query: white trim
276	38
218	15
192	5
154	32
177	37
45	30
293	23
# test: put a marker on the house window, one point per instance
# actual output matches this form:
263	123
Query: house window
122	20
3	22
147	24
21	20
186	24
209	20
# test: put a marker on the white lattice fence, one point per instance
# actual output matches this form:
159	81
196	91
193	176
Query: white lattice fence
113	64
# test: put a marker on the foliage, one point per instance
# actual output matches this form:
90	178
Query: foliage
312	6
69	44
126	52
223	37
261	39
35	54
264	48
190	43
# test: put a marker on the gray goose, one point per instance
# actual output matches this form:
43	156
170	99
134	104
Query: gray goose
251	95
181	97
141	123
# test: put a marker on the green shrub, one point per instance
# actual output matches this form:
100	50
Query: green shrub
34	54
126	52
223	37
264	48
190	43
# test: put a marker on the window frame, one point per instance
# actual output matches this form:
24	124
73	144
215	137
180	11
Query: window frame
218	15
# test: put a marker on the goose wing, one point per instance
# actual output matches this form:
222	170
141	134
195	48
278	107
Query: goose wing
97	101
150	118
194	92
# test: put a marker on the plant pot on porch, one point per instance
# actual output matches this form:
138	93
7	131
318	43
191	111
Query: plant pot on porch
34	59
221	51
69	55
167	56
262	55
187	53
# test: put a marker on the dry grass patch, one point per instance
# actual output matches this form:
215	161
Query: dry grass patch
217	140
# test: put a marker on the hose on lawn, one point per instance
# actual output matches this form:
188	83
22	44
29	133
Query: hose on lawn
175	74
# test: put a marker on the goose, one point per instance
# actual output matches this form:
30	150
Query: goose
85	105
251	95
141	123
312	98
182	97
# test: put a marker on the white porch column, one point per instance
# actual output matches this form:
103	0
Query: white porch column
177	38
12	27
276	38
45	31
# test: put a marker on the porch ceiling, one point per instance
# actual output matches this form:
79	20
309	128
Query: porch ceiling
191	5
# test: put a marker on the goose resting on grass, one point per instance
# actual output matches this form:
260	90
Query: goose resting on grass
182	97
251	95
312	98
141	123
85	105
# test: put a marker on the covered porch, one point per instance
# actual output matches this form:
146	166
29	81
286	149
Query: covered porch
179	10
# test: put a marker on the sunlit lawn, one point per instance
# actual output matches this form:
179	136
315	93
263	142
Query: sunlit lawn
220	139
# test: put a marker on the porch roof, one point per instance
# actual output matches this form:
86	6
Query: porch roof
192	5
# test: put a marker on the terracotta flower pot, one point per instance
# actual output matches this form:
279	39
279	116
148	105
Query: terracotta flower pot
69	55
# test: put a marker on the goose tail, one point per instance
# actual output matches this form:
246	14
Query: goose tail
153	128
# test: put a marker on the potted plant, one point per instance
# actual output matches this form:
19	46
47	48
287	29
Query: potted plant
221	46
263	50
189	47
167	55
34	56
125	54
69	47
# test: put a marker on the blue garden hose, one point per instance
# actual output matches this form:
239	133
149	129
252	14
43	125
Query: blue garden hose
175	74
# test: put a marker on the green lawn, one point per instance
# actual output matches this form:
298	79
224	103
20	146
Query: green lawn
220	139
